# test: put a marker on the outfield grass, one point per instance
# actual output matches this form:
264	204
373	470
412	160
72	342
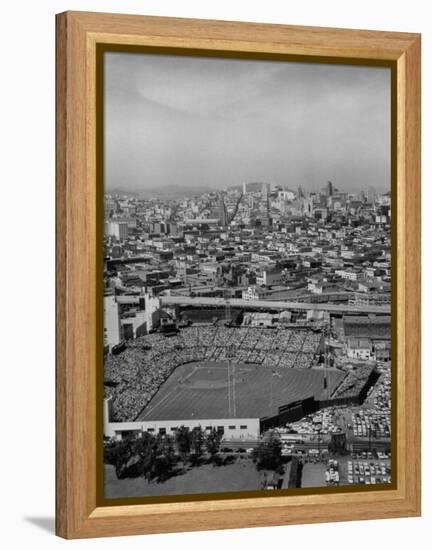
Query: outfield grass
200	390
242	475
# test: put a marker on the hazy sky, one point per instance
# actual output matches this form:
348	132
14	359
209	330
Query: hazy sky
219	122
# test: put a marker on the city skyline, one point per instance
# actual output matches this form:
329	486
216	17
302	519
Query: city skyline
194	193
309	123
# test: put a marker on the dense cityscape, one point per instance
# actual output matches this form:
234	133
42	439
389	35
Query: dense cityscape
248	327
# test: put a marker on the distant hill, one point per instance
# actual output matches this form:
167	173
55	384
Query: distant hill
171	191
122	192
174	191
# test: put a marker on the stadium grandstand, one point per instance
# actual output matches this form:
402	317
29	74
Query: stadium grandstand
229	377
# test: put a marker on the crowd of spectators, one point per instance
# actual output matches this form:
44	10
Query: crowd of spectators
354	381
282	347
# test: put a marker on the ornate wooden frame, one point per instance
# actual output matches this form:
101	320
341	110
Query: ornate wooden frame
78	315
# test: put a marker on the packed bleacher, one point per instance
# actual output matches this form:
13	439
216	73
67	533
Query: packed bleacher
133	377
355	380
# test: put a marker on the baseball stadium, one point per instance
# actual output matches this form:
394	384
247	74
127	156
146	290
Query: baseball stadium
241	380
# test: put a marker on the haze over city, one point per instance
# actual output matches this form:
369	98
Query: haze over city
209	123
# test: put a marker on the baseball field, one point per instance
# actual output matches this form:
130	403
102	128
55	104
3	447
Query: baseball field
219	390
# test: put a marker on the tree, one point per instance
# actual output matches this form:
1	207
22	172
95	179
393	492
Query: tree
145	448
148	456
295	476
337	444
212	443
268	454
164	458
197	441
183	440
118	453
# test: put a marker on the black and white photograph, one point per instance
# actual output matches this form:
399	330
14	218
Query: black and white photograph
247	275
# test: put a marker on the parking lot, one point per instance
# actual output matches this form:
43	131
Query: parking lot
369	472
364	468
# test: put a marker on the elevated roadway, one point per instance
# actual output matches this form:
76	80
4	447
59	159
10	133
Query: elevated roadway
276	305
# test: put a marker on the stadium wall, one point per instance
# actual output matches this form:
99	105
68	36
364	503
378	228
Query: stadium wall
291	412
246	429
